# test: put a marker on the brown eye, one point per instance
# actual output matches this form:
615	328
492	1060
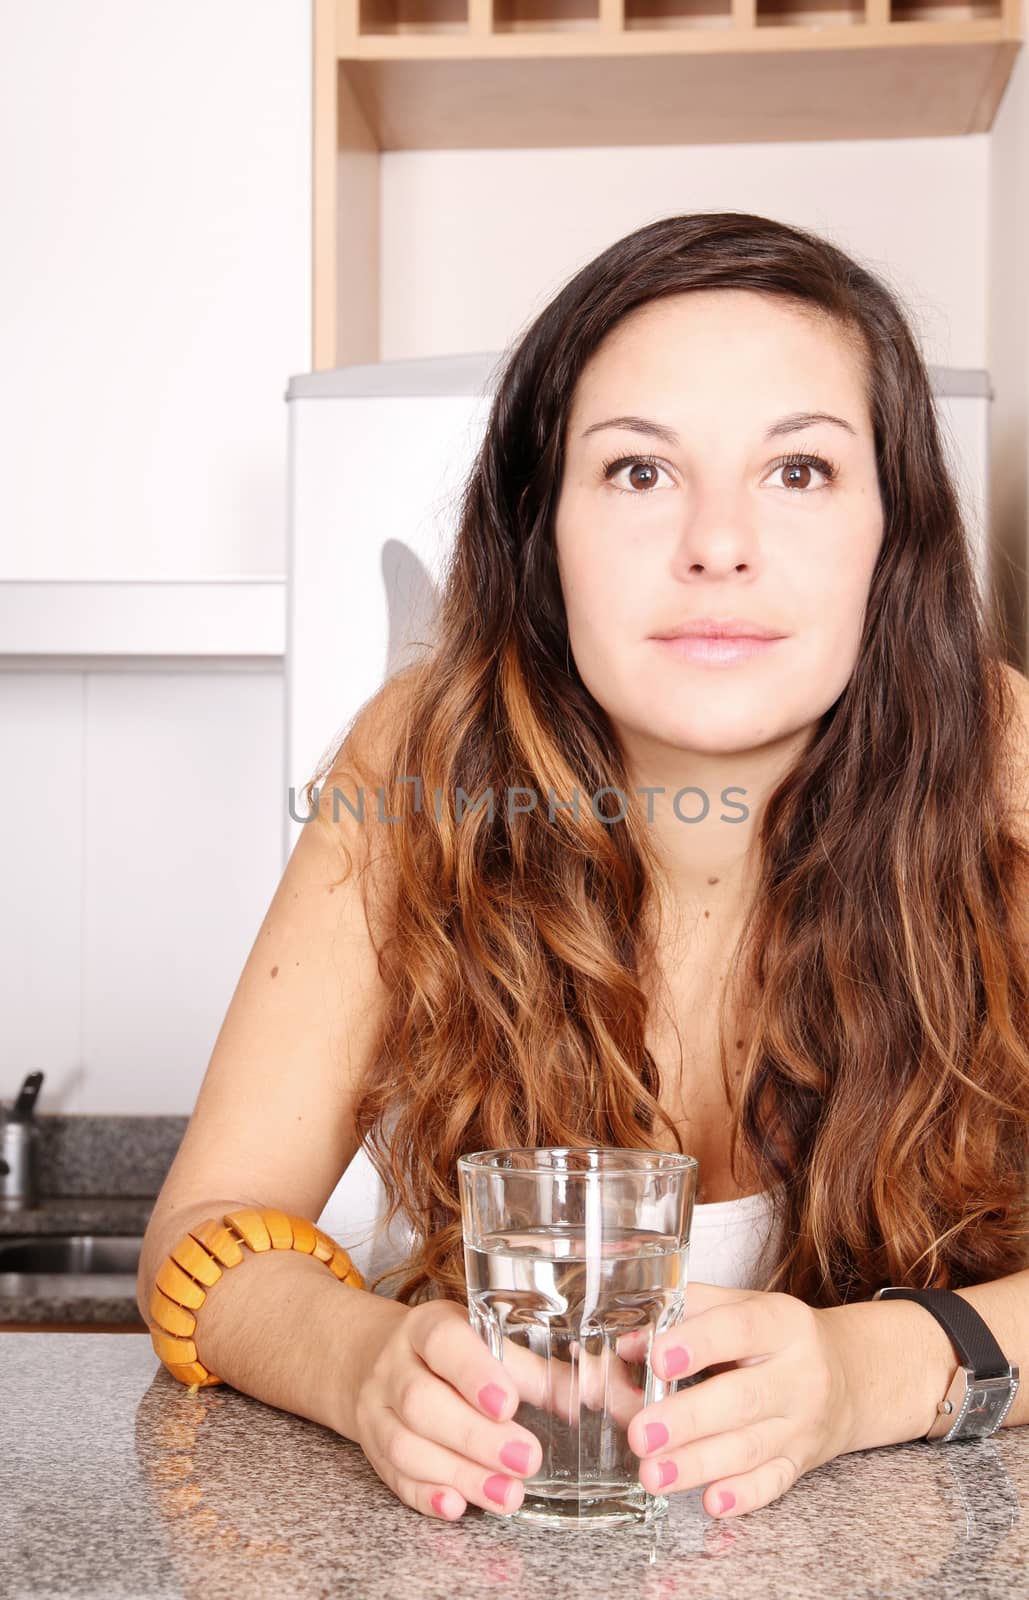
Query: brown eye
798	470
643	474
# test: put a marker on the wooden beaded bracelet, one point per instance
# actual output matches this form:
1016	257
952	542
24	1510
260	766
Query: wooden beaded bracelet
197	1262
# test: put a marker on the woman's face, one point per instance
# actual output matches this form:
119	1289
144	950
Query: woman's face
713	525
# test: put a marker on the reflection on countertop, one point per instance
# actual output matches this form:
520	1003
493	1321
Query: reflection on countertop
166	1493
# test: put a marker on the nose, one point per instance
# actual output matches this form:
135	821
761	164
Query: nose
717	537
716	551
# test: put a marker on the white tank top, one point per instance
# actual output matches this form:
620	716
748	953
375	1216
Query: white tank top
733	1243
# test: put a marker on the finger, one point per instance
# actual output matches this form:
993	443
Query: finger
595	1380
544	1382
440	1500
441	1334
738	1399
752	1326
733	1496
429	1406
701	1296
608	1383
746	1462
541	1381
634	1346
417	1468
495	1388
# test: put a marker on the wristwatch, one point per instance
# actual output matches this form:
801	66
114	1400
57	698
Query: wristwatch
985	1383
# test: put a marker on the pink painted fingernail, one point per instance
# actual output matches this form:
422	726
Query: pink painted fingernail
726	1501
516	1456
492	1399
655	1436
677	1361
668	1473
496	1487
439	1502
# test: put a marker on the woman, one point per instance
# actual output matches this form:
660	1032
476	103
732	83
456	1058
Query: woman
763	910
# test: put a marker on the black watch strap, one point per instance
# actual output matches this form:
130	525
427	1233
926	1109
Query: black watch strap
969	1334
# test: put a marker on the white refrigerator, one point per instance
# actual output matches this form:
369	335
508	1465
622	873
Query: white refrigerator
377	457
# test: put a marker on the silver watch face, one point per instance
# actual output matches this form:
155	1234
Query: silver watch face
988	1405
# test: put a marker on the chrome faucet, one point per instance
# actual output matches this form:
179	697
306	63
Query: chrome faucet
19	1149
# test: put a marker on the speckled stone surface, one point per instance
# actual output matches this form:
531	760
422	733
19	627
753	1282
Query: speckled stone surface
118	1482
96	1175
87	1155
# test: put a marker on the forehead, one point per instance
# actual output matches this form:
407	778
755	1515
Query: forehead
681	355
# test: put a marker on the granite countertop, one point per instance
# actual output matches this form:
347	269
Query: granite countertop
95	1174
120	1483
80	1213
73	1297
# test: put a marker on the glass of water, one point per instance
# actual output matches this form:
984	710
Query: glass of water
575	1258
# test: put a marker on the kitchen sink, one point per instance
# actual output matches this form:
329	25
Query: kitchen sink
72	1253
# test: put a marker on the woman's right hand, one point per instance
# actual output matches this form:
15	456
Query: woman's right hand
433	1415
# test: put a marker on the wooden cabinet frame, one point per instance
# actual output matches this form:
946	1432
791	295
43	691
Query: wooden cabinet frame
458	74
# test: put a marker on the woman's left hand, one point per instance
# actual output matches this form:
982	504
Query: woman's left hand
751	1432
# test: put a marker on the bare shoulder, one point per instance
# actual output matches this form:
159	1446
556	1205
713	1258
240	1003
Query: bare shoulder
378	729
1016	745
1017	680
366	758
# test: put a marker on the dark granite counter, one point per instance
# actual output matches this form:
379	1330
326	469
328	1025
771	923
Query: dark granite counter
119	1483
73	1213
99	1175
85	1154
72	1297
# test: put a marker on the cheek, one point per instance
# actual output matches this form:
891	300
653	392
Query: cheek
831	597
597	593
831	589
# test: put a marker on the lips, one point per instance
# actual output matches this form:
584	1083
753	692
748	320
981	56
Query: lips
717	649
720	628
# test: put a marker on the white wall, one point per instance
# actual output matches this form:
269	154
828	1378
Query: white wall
155	186
1008	343
156	204
156	296
914	210
141	846
155	281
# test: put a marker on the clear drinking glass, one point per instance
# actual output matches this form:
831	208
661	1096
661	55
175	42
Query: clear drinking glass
575	1258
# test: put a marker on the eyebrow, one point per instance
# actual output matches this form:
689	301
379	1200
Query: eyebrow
789	424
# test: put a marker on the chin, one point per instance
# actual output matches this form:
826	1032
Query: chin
714	741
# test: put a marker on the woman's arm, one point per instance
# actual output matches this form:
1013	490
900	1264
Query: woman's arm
900	1361
901	1364
273	1121
279	1325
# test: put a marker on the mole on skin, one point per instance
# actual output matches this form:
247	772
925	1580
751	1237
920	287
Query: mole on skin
275	971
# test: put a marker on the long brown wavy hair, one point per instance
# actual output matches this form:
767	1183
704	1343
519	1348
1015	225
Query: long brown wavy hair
886	1080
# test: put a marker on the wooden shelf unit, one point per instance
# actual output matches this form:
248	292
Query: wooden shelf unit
508	74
